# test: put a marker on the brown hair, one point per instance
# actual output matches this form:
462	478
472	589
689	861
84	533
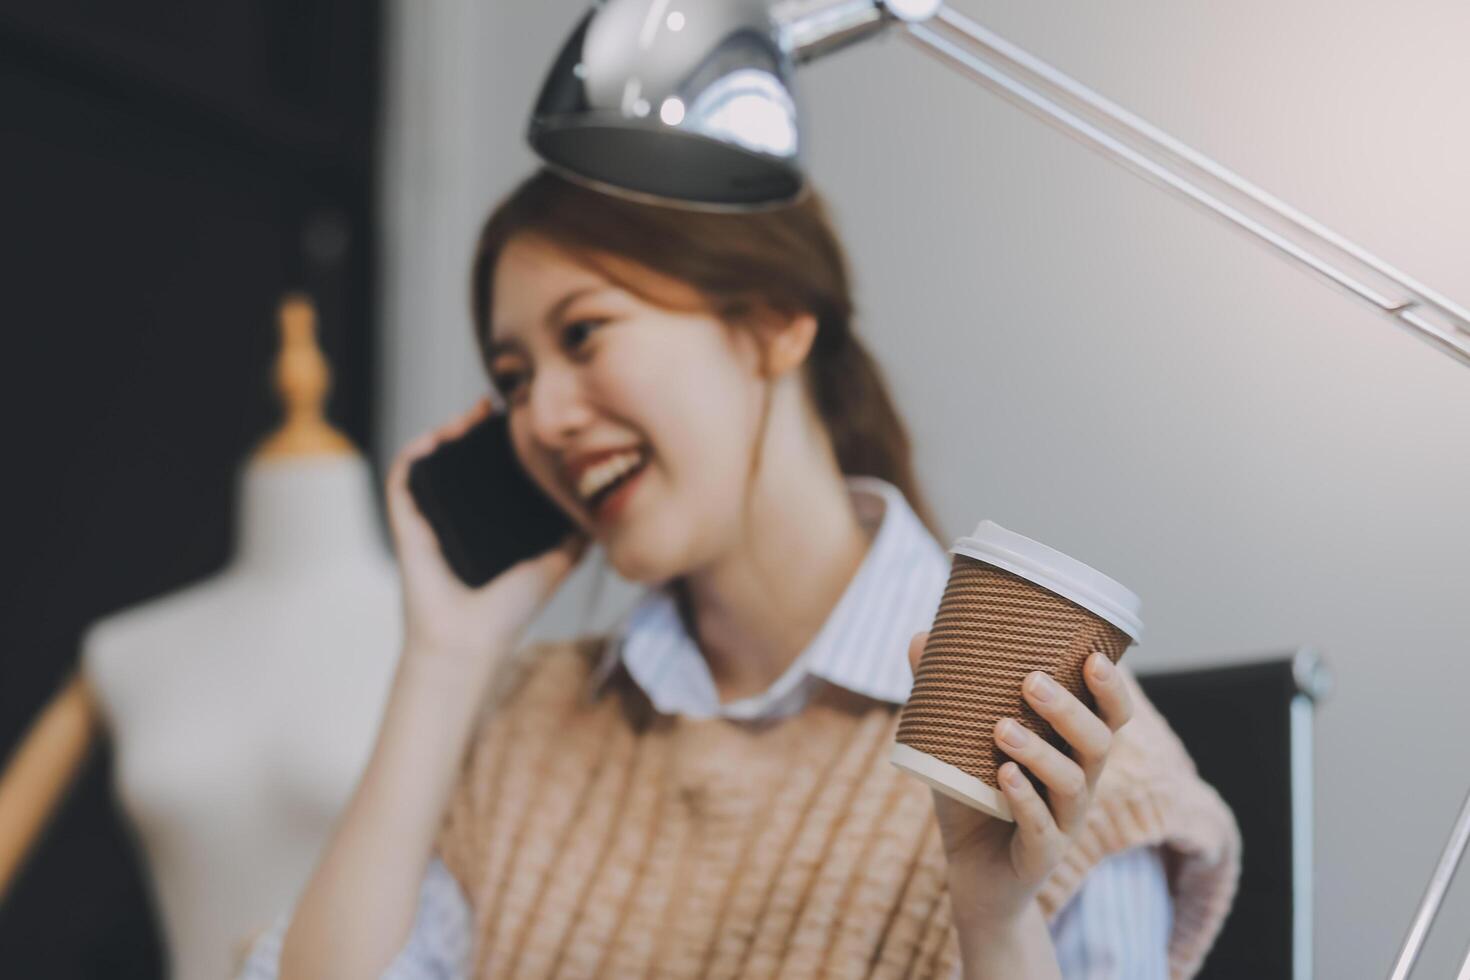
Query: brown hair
786	259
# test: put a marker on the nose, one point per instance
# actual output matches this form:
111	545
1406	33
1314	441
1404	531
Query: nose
557	407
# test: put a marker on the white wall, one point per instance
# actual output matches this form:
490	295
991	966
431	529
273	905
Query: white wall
1094	364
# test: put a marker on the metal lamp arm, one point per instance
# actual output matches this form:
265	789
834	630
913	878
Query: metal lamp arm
814	28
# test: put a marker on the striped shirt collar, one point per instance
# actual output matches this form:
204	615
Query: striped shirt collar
862	646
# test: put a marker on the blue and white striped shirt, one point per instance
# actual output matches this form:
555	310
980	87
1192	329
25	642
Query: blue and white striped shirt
1115	928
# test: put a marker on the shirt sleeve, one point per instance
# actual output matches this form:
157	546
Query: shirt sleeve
1117	925
438	946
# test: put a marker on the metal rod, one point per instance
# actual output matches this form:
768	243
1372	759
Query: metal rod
1300	722
1083	114
1439	883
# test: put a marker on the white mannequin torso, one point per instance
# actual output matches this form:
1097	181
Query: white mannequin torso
242	709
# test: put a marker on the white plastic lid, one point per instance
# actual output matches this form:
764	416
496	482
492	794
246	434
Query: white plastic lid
1053	570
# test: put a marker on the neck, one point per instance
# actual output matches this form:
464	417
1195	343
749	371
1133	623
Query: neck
306	512
754	610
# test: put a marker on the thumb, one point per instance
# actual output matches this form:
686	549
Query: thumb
916	649
557	562
564	557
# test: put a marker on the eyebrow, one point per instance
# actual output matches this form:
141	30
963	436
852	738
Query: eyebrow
552	313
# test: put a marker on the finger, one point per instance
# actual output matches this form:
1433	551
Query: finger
426	442
465	420
572	547
1042	841
1105	680
1087	734
395	484
916	649
407	523
1066	783
557	562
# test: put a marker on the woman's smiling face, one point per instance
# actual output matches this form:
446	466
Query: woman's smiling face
586	367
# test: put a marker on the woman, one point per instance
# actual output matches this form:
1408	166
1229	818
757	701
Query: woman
705	792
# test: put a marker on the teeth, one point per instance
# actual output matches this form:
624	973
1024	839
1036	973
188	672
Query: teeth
601	474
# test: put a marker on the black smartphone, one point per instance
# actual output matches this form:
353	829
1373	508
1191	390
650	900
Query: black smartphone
487	513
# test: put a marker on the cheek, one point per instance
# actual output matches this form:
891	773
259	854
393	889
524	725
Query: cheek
702	435
679	387
692	405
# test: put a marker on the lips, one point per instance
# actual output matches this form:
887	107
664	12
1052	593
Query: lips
598	501
574	467
606	470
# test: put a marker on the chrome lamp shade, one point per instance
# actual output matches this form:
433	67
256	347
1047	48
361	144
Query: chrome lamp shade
698	110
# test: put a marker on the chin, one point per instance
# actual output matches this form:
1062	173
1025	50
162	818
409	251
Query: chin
637	568
641	562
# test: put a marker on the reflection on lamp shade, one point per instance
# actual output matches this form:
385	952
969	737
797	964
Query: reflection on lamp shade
697	110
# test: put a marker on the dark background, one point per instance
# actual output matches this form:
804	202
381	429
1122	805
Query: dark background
167	170
1252	771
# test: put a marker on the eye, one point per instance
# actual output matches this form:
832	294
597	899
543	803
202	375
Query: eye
507	382
575	334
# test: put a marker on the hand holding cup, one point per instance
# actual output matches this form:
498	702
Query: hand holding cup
1009	861
1018	670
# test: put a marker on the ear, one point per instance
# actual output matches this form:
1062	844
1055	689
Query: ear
786	342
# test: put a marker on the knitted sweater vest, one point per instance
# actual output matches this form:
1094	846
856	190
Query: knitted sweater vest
596	837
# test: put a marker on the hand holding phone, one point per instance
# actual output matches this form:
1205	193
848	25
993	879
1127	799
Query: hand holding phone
479	545
485	511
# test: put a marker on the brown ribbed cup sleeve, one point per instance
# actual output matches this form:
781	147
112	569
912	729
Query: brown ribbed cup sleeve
992	629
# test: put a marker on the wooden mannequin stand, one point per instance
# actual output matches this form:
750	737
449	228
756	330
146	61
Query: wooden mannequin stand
242	708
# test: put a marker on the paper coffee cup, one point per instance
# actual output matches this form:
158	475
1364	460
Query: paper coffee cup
1012	606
